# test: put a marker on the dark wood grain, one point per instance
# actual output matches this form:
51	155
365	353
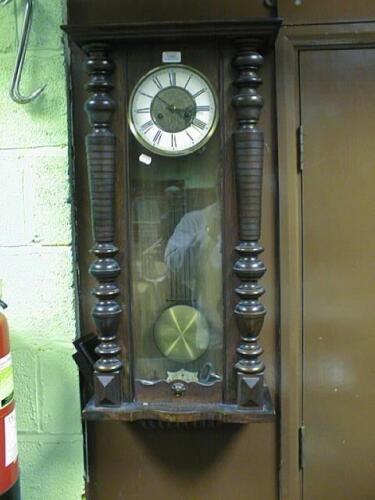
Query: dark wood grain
109	206
121	11
169	412
100	152
249	147
261	31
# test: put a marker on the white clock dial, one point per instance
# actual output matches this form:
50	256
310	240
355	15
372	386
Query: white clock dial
173	110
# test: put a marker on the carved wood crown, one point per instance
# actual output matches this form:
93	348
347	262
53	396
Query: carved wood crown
261	31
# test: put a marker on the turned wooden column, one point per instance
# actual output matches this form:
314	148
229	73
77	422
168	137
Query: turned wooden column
249	268
100	151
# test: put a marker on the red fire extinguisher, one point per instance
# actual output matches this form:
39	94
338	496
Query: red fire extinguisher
9	469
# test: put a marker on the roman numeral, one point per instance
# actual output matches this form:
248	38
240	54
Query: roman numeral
142	110
187	82
200	92
203	108
157	137
173	141
147	126
172	78
147	95
199	124
190	137
157	82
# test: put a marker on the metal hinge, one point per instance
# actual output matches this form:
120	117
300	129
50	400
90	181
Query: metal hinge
301	442
300	147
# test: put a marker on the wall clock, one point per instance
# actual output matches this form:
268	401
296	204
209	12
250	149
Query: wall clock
175	159
173	110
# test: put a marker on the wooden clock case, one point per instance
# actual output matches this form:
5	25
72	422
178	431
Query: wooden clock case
231	53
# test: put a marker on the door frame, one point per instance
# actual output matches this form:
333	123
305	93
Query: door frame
291	41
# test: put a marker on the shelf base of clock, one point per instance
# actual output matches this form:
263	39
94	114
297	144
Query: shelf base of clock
168	412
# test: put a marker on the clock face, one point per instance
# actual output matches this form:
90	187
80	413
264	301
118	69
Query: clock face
173	110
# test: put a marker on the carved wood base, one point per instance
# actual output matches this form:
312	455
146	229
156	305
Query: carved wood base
250	391
167	412
107	389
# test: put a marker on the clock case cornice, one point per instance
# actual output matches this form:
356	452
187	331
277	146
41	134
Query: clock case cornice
260	31
255	35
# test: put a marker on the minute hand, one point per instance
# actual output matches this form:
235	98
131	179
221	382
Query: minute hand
169	106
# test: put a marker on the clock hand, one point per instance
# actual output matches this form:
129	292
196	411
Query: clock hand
170	107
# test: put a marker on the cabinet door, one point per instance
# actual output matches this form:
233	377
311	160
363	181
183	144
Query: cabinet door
338	248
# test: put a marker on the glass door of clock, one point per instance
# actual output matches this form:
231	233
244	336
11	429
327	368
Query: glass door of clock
176	265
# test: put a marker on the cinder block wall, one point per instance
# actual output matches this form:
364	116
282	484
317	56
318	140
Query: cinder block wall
36	263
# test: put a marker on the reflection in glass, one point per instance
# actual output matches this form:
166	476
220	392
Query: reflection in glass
176	271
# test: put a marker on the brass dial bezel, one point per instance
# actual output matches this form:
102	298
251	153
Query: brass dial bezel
159	151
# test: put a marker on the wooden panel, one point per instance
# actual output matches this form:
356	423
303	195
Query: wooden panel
290	41
325	11
120	11
133	463
337	96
